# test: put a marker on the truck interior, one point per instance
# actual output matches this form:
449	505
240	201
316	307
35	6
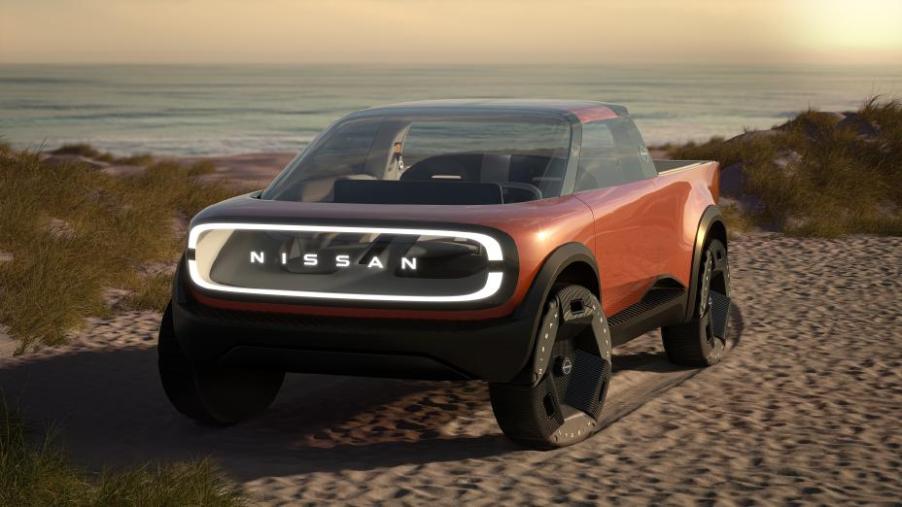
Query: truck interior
431	161
462	161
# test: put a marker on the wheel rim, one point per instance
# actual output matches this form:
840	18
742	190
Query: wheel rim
570	373
578	369
715	278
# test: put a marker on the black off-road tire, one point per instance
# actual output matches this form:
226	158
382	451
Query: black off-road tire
695	343
210	394
570	375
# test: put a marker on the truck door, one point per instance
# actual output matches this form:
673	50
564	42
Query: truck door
616	179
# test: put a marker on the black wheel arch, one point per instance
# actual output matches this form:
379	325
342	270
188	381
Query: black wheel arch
710	226
572	263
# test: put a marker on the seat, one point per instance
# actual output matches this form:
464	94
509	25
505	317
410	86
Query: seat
497	169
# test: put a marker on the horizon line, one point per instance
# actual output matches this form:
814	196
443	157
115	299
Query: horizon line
371	63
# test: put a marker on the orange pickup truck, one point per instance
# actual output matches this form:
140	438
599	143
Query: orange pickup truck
512	241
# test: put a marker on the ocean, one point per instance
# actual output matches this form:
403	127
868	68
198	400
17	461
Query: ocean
205	110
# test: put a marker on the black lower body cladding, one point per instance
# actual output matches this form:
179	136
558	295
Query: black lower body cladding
491	350
495	350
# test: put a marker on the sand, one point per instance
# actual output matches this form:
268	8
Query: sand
805	408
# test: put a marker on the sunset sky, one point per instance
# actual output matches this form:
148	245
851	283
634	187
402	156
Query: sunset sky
451	31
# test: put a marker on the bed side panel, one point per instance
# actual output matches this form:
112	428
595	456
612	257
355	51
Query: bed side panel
685	194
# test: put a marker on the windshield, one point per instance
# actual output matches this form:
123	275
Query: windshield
430	160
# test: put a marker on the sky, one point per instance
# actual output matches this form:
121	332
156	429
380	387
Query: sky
452	31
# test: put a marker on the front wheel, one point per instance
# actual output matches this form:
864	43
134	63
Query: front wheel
211	394
570	375
702	340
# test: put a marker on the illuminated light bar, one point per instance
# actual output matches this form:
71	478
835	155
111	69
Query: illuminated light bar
491	245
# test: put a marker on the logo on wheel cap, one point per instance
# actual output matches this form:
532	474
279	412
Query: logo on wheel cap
566	366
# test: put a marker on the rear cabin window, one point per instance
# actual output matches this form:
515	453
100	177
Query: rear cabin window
612	153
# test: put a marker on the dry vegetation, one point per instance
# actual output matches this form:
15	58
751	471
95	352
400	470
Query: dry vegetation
820	174
74	231
39	473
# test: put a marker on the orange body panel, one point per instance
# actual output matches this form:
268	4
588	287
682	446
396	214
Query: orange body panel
647	229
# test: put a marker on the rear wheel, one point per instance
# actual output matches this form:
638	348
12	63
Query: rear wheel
702	340
570	375
208	393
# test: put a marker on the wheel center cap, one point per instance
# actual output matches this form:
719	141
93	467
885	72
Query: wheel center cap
565	366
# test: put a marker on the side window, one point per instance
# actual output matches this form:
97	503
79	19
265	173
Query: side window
344	152
599	165
612	153
637	162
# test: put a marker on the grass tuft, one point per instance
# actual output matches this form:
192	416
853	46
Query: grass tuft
819	174
152	294
140	159
202	168
40	474
736	220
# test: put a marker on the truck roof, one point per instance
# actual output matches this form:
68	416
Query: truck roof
583	110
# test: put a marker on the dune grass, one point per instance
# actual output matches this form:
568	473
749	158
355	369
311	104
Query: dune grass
74	231
152	294
817	175
35	471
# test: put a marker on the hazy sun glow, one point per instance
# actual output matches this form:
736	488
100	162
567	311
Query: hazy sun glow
451	31
853	24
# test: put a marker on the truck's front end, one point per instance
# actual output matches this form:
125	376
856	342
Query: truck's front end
402	242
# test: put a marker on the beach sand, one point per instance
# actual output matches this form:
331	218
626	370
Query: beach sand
805	408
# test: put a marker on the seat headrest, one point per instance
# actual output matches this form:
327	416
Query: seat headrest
495	168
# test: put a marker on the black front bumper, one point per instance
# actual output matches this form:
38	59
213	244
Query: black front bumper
495	350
